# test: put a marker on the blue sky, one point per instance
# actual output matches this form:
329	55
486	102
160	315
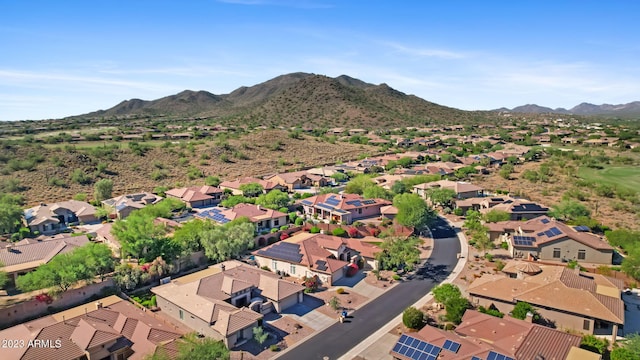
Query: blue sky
62	58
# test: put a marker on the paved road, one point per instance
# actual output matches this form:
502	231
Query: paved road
337	339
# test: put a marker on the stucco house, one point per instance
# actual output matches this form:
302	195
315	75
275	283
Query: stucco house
197	196
343	208
298	180
545	238
122	206
481	336
26	255
324	256
234	186
585	302
265	219
227	301
463	190
54	218
519	209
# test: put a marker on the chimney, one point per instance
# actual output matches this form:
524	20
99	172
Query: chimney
9	247
98	305
529	317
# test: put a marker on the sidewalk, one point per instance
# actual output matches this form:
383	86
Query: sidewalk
378	345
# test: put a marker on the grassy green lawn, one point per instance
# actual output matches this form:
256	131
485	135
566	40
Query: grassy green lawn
619	176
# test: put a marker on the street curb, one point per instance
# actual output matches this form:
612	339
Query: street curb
373	338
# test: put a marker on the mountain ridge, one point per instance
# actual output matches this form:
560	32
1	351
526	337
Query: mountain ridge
584	109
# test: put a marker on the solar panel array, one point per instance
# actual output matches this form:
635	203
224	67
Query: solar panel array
497	356
524	240
325	206
321	265
416	349
528	207
544	221
475	358
582	228
332	200
554	231
283	251
369	202
215	215
356	203
451	346
306	202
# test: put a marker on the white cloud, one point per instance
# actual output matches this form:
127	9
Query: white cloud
425	52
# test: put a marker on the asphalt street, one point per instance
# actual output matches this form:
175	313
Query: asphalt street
339	338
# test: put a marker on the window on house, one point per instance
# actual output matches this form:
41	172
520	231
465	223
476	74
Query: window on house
292	271
582	254
274	265
556	253
276	222
586	325
240	335
181	314
359	211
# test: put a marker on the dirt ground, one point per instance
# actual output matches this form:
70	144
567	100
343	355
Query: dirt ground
349	300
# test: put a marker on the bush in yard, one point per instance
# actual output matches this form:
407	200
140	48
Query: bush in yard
352	232
413	318
284	236
314	230
339	232
522	308
274	348
299	221
594	344
340	291
458	212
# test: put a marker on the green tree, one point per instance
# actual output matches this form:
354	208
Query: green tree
4	278
229	240
259	335
251	189
629	349
129	277
274	199
622	353
10	216
212	180
413	211
506	170
65	270
398	253
102	189
376	192
494	215
189	235
481	239
358	184
521	310
456	308
339	177
413	318
441	196
631	263
569	210
234	200
445	292
594	344
399	187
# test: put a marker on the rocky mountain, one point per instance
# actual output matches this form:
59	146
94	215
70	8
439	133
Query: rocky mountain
586	109
302	99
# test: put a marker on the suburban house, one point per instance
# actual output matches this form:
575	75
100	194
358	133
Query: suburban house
585	302
298	180
544	238
122	206
265	219
478	203
519	209
197	196
483	337
343	208
21	257
463	190
234	186
327	257
386	181
227	301
53	218
111	328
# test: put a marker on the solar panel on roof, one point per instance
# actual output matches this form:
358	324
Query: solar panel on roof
306	202
497	356
475	358
582	228
416	349
332	201
451	346
544	221
324	206
369	202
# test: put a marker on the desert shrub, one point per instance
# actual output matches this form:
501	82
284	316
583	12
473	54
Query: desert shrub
159	174
56	181
340	291
78	176
339	232
413	318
